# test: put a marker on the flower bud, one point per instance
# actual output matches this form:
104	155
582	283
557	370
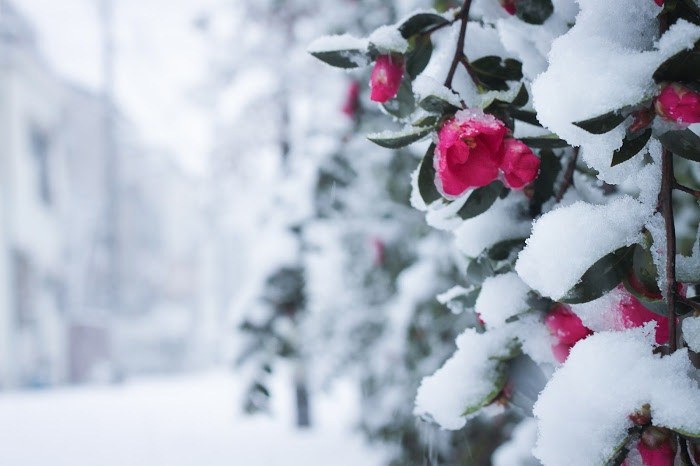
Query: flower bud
520	165
679	104
642	416
659	2
351	101
386	77
567	328
508	5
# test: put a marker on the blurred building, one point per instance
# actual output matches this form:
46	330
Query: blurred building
60	319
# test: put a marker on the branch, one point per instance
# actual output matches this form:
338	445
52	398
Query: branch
686	189
666	209
568	176
459	50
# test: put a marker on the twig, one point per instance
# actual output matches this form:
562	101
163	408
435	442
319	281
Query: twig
686	189
666	209
459	51
568	176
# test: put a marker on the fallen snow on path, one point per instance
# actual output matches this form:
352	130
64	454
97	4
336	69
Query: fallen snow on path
178	421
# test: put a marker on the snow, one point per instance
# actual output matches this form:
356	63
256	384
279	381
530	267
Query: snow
469	379
518	450
691	332
583	411
175	421
581	232
500	223
388	39
337	42
605	62
502	296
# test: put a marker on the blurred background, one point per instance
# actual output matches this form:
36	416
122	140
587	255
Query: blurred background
194	230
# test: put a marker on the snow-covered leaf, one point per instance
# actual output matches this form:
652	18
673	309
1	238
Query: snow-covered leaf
683	143
631	146
421	22
602	123
397	139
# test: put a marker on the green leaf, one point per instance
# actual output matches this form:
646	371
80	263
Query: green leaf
480	200
603	123
426	178
601	277
435	104
503	249
534	11
526	116
522	97
497	385
550	166
398	139
644	269
545	142
630	148
350	58
683	66
418	58
478	270
404	103
420	23
492	66
683	143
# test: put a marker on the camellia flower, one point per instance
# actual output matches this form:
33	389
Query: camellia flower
632	313
567	328
386	77
678	103
509	6
519	164
659	2
655	448
351	101
469	152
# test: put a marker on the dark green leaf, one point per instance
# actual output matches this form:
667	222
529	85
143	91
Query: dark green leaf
522	97
644	270
507	69
421	22
502	250
683	66
438	105
534	11
526	116
601	277
683	143
630	147
619	457
545	142
401	138
427	120
480	200
550	166
404	103
418	58
603	123
352	58
426	178
479	270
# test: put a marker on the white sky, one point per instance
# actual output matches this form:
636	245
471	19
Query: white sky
160	60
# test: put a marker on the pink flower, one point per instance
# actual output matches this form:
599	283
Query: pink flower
632	313
508	5
379	250
520	166
662	455
469	152
659	2
386	77
567	328
678	103
351	101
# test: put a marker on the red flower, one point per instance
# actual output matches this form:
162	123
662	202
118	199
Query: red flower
633	313
567	328
509	6
351	101
659	2
469	152
520	166
386	77
678	103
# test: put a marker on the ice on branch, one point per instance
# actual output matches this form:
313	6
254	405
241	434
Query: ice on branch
501	297
566	242
583	412
469	380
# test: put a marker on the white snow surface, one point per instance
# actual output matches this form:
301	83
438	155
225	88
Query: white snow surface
691	332
565	242
605	62
501	297
187	420
337	42
582	413
466	380
518	450
388	39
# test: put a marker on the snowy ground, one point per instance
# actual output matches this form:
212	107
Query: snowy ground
179	421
